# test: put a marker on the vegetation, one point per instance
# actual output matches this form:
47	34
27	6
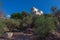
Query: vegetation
16	16
2	26
40	25
43	25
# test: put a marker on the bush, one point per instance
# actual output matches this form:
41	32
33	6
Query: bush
2	26
13	24
43	25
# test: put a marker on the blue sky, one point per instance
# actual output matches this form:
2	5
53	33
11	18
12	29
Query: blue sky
10	6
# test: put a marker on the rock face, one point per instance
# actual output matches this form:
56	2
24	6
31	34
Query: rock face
24	36
35	11
16	36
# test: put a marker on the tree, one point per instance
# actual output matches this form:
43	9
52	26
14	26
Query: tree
53	9
43	25
16	16
26	23
24	13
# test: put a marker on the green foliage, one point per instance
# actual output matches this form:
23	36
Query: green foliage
48	15
43	25
19	21
2	26
24	13
26	22
53	8
57	20
16	16
13	24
